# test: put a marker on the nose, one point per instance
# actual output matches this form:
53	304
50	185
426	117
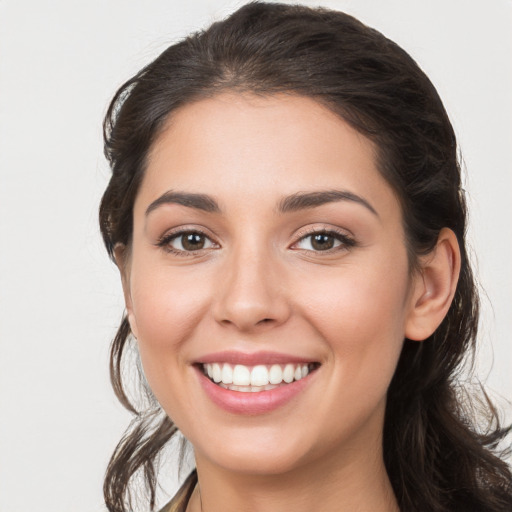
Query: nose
252	293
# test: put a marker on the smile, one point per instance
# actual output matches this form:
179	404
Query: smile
258	378
254	383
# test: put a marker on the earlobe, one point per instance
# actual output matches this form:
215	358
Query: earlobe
434	287
122	261
133	323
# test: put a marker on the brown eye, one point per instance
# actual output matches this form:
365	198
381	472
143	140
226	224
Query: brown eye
193	241
322	242
189	241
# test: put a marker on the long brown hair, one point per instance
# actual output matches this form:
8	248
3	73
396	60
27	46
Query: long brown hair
438	456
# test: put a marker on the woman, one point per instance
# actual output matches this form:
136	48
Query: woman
286	213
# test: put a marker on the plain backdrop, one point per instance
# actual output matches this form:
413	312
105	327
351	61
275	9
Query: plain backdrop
60	297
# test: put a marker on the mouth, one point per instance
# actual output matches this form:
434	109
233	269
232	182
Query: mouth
256	378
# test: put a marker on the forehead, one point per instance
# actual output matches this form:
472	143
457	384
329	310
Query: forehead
248	147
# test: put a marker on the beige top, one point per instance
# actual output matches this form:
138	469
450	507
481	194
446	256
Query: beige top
180	501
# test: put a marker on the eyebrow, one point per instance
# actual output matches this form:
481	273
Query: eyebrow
292	203
190	200
305	200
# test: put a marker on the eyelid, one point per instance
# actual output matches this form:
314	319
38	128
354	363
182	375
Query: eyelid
347	239
343	235
164	240
322	228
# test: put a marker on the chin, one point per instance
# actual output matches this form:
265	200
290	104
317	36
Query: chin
258	463
260	454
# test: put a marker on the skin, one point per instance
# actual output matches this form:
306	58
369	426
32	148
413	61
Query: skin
259	285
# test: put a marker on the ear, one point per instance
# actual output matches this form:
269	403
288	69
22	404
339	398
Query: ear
122	259
434	287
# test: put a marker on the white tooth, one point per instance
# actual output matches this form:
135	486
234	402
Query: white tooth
217	373
298	373
275	375
288	373
209	371
233	388
269	387
259	376
305	370
244	389
241	375
227	373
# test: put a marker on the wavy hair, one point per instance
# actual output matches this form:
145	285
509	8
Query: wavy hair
438	455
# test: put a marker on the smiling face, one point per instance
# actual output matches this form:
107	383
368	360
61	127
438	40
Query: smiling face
267	246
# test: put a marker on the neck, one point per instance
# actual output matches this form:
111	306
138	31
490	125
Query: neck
334	483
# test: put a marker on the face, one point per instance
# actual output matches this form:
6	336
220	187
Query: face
269	253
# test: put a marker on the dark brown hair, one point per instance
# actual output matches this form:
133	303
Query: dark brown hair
436	455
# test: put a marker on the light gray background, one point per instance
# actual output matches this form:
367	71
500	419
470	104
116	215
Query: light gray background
60	297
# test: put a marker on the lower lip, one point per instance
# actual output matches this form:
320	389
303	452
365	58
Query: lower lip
252	403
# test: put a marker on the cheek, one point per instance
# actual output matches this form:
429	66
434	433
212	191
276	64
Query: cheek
166	304
361	323
167	308
361	316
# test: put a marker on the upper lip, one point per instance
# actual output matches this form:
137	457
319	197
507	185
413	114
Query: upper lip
252	358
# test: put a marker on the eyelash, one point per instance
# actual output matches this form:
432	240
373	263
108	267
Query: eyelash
346	241
165	241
